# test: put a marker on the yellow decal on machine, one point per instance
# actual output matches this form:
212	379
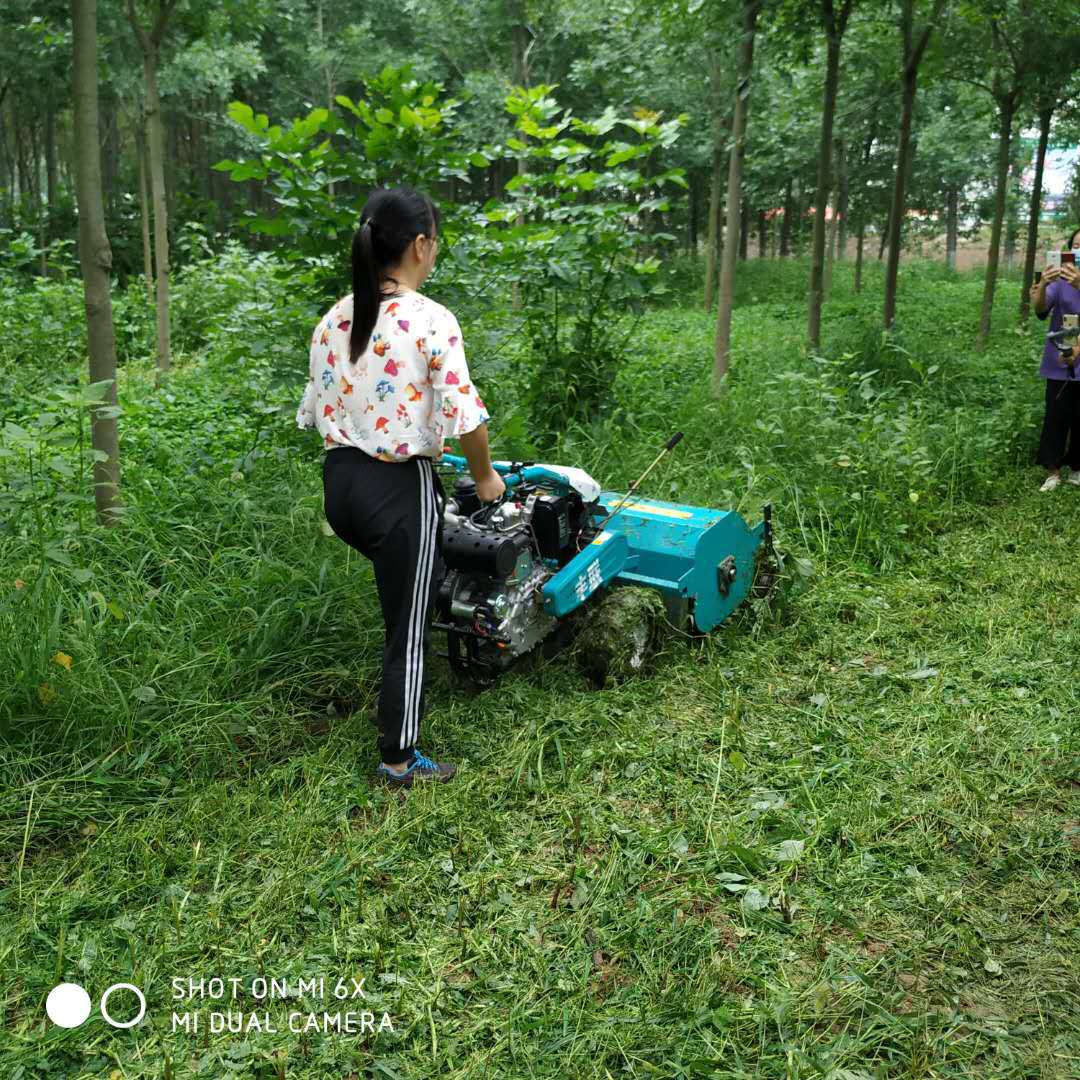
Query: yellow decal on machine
648	508
602	537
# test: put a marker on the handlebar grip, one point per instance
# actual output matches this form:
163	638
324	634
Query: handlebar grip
674	441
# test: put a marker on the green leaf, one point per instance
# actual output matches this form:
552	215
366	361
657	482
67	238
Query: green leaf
626	154
57	554
243	115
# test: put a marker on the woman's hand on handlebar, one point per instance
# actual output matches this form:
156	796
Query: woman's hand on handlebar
490	487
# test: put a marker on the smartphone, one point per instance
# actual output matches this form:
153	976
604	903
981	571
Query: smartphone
1068	257
1053	258
1038	276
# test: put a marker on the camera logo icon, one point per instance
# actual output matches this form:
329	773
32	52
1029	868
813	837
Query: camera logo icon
68	1005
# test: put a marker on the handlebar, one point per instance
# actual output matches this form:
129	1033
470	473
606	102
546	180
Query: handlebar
512	472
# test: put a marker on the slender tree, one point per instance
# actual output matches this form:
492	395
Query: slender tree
95	258
834	22
913	41
1006	91
149	40
719	135
730	250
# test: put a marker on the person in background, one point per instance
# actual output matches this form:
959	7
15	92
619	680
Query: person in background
388	382
1058	294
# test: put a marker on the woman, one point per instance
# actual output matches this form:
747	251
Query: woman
388	382
1058	294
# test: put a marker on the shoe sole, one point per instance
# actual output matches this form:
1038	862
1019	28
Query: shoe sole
408	781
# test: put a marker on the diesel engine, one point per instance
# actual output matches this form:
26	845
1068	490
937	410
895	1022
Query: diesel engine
498	557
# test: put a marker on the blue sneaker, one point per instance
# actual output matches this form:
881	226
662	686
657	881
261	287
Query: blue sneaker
420	768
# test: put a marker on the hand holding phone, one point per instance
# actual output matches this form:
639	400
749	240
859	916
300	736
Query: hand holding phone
1070	273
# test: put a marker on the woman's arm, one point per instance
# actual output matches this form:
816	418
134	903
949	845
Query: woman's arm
474	444
1038	291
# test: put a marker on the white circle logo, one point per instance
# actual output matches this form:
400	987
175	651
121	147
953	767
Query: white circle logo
68	1005
122	1023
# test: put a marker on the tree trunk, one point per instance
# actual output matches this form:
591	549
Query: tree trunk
734	191
860	242
899	194
520	42
762	234
1006	108
150	43
951	227
1035	211
50	165
156	139
824	177
95	257
744	228
691	215
842	200
785	225
144	209
830	252
1012	210
912	54
715	178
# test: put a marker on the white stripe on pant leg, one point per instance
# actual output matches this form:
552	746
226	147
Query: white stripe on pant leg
415	656
410	638
427	548
421	626
405	719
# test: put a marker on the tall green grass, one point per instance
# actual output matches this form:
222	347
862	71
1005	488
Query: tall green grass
832	843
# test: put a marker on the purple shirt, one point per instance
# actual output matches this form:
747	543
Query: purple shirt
1061	299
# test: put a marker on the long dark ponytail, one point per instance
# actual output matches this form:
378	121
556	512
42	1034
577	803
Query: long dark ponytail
391	220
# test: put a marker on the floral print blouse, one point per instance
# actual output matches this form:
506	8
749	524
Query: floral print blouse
409	390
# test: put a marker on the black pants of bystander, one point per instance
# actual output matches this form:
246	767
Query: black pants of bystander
1061	425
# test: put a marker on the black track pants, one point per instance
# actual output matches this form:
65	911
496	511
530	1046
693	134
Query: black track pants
1061	424
391	512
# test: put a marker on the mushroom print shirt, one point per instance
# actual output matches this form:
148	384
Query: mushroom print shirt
409	390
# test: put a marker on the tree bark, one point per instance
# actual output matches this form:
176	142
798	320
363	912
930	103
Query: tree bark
834	24
715	179
842	200
150	43
520	38
1035	211
898	207
913	49
734	191
951	227
1012	209
744	228
95	257
155	139
50	165
691	214
144	208
1006	108
785	225
762	234
830	251
860	242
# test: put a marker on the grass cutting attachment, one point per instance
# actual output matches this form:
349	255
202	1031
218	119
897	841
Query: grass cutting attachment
518	569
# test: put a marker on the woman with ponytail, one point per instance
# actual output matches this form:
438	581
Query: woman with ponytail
388	382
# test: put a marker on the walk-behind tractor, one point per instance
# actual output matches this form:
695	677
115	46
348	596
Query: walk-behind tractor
518	569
